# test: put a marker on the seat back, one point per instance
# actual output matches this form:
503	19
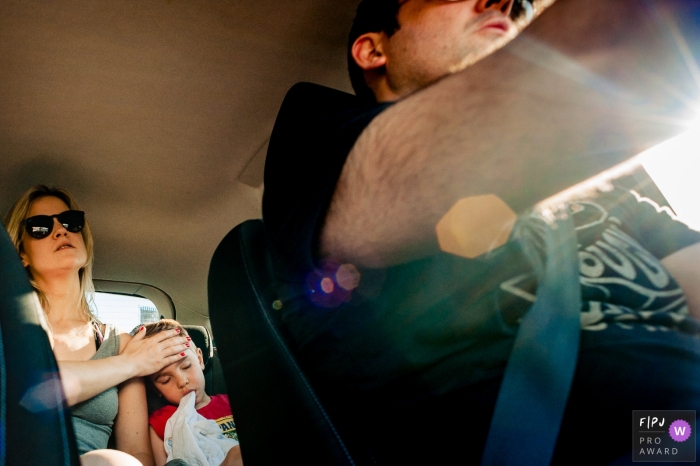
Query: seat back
277	413
35	426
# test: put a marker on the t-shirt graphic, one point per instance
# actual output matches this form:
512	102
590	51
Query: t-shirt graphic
622	283
227	427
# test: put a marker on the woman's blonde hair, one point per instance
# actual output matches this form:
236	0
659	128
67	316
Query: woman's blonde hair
13	222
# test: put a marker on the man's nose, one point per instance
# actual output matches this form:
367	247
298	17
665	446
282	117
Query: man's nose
504	6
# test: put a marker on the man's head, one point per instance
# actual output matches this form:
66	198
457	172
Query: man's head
396	47
181	377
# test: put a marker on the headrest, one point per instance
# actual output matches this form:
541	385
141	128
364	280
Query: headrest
202	340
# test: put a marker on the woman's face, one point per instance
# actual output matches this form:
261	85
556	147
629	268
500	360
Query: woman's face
59	253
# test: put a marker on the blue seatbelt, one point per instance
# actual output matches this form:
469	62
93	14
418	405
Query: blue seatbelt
540	370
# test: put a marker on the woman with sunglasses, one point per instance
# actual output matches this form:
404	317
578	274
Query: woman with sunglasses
100	369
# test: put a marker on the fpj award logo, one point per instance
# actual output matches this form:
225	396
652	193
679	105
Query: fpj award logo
663	436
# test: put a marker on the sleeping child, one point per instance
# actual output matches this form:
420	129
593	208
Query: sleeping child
183	423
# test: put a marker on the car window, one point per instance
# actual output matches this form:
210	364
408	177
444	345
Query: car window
129	304
674	167
125	312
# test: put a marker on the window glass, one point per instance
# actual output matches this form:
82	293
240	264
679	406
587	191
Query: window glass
675	167
125	312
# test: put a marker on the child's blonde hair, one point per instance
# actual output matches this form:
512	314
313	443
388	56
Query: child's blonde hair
162	325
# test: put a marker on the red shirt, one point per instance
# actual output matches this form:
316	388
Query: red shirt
218	410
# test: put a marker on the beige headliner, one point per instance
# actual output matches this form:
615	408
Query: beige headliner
155	114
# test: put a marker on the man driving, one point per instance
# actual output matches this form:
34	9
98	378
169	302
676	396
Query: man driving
393	220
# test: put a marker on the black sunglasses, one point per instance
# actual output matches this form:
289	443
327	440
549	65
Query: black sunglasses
40	226
520	8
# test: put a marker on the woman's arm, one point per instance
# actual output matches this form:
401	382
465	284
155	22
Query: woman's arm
158	447
138	357
131	425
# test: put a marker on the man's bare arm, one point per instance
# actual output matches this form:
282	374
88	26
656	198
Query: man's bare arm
558	105
684	266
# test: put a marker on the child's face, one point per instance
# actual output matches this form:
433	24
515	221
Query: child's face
182	377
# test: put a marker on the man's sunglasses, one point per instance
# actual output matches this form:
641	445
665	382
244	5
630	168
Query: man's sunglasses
520	8
40	226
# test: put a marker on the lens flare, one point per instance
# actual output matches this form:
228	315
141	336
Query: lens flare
332	283
327	285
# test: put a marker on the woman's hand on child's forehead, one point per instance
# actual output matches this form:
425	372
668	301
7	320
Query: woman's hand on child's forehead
149	355
170	334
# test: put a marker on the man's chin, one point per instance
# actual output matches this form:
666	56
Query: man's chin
492	40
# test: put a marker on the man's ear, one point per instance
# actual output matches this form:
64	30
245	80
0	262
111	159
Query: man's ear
368	51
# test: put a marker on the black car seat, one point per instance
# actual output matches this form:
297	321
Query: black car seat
35	425
277	413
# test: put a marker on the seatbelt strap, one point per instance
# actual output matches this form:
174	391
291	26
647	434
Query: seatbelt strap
540	370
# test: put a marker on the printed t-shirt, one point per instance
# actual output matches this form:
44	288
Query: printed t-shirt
218	409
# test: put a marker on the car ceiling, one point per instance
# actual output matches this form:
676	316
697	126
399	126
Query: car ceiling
155	115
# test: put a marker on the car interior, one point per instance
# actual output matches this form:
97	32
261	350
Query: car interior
157	116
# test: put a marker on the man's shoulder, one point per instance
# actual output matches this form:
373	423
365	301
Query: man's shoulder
321	96
310	106
313	135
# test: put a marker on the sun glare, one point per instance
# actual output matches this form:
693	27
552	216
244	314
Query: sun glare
674	166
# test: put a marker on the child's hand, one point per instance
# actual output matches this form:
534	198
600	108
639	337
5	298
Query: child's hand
233	457
149	355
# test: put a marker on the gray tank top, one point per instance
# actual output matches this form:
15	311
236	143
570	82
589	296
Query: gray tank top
93	419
